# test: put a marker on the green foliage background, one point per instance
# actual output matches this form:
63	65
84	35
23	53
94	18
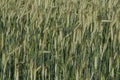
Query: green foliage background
59	39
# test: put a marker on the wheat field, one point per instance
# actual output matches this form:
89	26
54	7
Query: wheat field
59	39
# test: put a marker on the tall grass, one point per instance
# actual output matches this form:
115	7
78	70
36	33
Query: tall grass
59	39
